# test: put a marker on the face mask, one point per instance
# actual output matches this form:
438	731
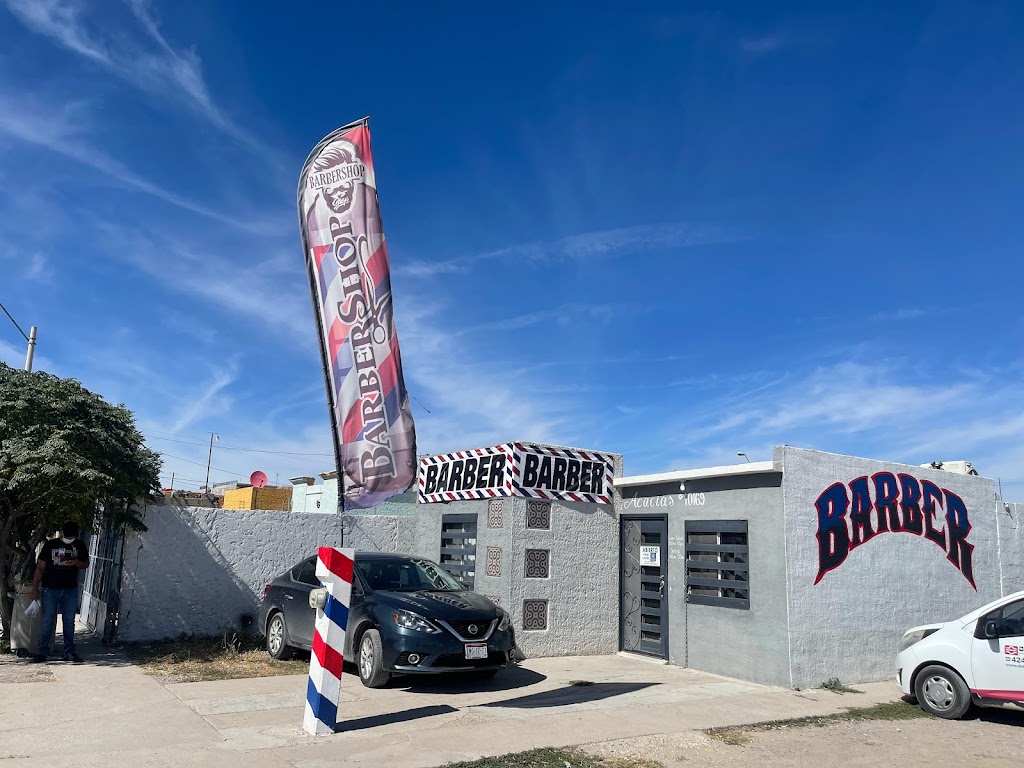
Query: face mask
68	541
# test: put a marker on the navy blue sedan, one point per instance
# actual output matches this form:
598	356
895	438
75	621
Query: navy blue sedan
407	616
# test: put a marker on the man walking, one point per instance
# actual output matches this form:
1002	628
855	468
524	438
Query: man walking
56	578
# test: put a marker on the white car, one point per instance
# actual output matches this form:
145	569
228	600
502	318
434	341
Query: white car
977	658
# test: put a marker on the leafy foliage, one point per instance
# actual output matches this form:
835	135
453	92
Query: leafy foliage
65	454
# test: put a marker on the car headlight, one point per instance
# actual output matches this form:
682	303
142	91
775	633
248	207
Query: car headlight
915	636
407	620
503	624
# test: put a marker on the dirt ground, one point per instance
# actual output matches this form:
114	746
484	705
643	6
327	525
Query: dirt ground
994	738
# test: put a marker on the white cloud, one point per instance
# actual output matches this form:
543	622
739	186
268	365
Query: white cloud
208	401
470	405
882	409
566	314
158	68
38	268
60	21
273	293
591	245
60	132
762	45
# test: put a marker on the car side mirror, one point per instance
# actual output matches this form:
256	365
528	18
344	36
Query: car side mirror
991	630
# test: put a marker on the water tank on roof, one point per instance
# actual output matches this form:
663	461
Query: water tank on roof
961	467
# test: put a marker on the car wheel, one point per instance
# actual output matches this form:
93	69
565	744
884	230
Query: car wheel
942	692
277	645
371	660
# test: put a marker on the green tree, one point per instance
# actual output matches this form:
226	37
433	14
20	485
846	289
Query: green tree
65	454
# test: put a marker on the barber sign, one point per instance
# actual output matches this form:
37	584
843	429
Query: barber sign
517	469
565	474
480	473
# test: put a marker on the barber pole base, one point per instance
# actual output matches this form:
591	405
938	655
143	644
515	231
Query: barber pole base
334	570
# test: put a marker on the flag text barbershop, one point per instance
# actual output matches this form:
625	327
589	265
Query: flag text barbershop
853	514
475	472
555	473
378	460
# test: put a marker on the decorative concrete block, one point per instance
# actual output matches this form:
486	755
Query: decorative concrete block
495	513
535	615
538	515
538	563
494	561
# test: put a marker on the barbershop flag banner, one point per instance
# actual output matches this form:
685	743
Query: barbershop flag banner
350	282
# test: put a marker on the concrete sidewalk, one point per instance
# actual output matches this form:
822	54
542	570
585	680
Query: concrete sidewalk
108	712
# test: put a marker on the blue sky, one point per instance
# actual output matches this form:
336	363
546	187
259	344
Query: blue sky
676	232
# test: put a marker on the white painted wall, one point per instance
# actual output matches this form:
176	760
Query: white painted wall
1011	538
849	624
197	570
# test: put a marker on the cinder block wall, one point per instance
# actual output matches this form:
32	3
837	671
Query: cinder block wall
581	546
1010	519
849	623
197	570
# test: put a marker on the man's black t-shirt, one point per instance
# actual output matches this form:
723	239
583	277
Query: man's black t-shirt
55	554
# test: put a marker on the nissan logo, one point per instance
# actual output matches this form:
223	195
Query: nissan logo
472	629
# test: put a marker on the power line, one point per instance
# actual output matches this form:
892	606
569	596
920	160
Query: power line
238	448
14	321
198	464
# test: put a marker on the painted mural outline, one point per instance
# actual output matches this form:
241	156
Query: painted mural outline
850	515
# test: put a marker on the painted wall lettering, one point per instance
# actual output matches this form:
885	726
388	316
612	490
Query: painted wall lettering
854	513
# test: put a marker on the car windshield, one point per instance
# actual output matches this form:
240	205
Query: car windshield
401	575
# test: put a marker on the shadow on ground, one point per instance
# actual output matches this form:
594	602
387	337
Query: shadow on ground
570	694
87	645
375	721
508	679
998	716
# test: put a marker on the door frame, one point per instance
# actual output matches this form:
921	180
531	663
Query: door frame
623	519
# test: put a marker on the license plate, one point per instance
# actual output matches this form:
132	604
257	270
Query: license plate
476	650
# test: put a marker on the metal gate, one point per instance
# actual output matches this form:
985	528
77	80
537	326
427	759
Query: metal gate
643	602
101	592
458	548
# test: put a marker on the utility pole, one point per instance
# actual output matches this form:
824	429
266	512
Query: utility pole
30	338
209	459
31	348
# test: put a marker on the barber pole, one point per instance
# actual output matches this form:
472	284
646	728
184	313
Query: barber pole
334	570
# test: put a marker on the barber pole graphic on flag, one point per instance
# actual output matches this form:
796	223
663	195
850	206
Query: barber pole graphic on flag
334	570
350	283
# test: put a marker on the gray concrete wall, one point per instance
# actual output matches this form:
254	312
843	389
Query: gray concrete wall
583	546
1011	546
583	614
196	571
848	625
751	644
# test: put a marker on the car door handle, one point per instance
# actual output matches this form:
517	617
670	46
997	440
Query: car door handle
290	597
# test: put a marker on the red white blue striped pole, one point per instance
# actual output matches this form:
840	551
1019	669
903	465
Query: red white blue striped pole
334	569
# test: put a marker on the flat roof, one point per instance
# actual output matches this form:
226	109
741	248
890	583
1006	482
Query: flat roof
749	468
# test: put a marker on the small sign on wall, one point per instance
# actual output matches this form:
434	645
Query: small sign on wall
650	555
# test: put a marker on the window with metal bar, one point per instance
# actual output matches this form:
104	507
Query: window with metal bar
458	548
717	563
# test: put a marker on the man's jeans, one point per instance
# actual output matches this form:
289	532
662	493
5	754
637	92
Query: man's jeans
64	601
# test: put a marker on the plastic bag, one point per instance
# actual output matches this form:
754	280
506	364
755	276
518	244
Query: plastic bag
33	609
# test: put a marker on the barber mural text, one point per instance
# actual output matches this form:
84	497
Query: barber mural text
852	514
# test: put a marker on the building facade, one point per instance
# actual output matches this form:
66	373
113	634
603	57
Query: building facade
807	567
785	572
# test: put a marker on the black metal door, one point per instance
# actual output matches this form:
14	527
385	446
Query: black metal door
643	593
